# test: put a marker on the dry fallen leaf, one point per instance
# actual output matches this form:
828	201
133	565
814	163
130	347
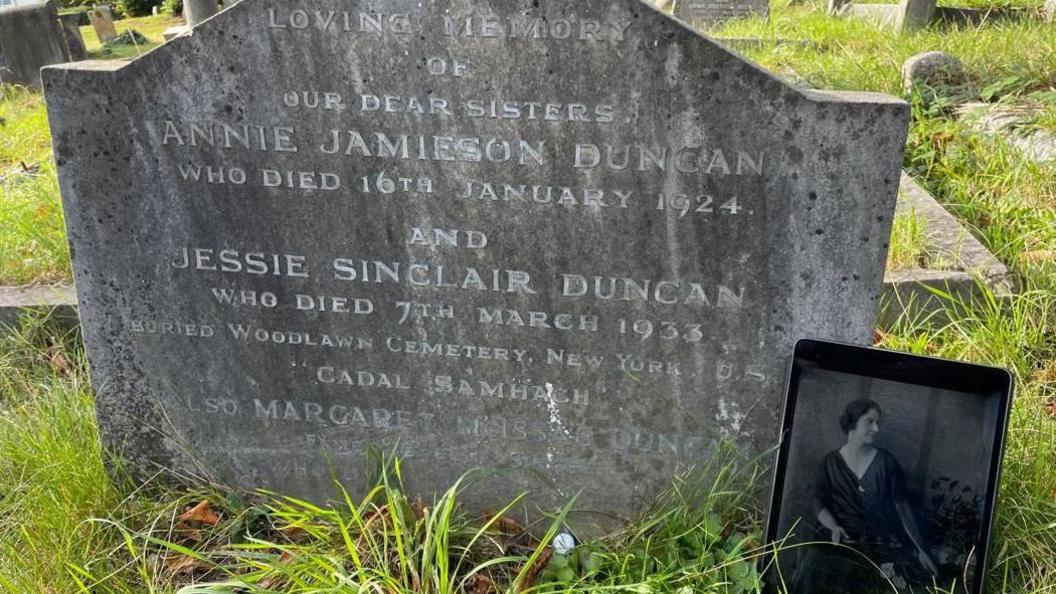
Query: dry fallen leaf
58	361
294	534
376	515
505	524
510	526
180	564
1047	373
1039	256
419	508
533	573
202	513
879	336
480	584
941	139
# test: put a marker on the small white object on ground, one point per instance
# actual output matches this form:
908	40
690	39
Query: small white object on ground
564	543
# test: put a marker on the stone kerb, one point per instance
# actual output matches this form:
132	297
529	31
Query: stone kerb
1007	122
59	302
970	269
460	260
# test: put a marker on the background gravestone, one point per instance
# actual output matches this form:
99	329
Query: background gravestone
906	16
914	14
710	12
31	37
103	23
71	31
196	11
313	226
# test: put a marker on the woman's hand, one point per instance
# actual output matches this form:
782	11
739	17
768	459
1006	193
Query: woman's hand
926	561
839	534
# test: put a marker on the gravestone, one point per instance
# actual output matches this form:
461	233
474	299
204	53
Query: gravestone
71	31
704	13
103	23
914	14
904	17
196	11
581	269
30	38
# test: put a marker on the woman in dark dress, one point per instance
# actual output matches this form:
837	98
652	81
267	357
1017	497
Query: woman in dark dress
860	501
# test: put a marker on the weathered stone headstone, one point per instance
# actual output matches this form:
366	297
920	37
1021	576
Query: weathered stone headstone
581	268
103	23
71	32
904	17
932	70
914	14
196	11
30	38
704	13
837	7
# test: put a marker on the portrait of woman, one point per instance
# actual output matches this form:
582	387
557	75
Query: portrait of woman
860	502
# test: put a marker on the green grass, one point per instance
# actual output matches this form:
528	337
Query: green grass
51	465
151	27
32	235
909	242
65	527
855	55
1028	6
1039	111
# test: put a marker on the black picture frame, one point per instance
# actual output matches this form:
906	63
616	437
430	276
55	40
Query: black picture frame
818	368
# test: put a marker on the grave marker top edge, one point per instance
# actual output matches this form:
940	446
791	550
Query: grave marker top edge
217	20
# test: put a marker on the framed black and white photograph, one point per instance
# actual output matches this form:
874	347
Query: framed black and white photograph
887	472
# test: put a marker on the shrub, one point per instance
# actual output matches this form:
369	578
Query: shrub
172	7
133	8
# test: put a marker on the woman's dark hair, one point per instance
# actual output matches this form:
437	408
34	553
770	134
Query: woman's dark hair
856	410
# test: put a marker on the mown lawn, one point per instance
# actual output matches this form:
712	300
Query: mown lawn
150	27
32	236
65	527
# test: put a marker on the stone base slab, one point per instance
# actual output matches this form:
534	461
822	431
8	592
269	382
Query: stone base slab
58	300
999	120
173	32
